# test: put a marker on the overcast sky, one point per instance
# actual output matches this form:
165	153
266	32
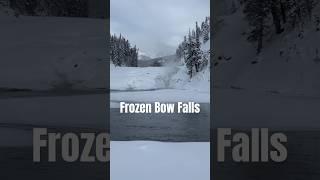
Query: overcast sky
156	26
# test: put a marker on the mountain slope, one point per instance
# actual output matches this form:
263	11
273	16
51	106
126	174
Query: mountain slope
288	63
52	52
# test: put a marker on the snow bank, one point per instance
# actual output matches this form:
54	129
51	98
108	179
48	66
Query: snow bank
163	84
199	83
140	78
152	78
141	160
52	52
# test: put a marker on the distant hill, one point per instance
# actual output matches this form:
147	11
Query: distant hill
143	57
159	61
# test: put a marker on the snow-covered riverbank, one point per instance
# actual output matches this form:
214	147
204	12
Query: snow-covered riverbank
164	84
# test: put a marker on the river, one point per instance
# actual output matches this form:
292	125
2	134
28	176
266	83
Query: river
175	127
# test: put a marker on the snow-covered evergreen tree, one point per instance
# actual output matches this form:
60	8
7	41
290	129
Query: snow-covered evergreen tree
206	30
121	53
281	13
188	55
197	53
190	49
181	48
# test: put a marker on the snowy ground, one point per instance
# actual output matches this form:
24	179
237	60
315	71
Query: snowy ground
143	160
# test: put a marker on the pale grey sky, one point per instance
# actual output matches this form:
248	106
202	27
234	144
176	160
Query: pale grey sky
156	26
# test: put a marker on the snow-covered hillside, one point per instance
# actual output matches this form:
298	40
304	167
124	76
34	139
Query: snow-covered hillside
289	62
143	57
51	53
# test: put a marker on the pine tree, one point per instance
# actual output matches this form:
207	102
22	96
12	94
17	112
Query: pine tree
134	55
276	14
299	10
112	50
190	48
180	50
121	53
283	10
188	55
233	7
295	12
118	59
197	53
198	30
317	22
283	13
206	30
307	7
257	12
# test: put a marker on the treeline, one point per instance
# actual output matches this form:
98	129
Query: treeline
262	15
70	8
121	52
190	49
